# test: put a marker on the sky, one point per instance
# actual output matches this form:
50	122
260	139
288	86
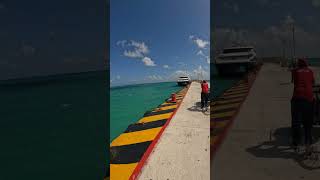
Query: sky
156	41
267	25
51	37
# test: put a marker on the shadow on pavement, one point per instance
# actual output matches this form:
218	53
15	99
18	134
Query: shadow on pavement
280	147
197	108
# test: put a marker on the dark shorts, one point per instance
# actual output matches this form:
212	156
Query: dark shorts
302	114
204	99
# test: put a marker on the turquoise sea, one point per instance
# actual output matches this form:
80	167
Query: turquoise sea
129	103
314	61
218	85
54	127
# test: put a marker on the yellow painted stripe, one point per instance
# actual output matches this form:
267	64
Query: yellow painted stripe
236	92
221	124
228	101
213	139
224	114
242	85
237	89
220	107
136	137
236	96
167	103
155	118
165	108
121	171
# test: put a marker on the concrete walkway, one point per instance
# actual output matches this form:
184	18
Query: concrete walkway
257	145
183	150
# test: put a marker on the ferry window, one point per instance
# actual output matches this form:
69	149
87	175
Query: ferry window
237	50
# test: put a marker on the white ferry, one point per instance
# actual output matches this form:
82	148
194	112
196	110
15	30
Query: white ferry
183	80
234	58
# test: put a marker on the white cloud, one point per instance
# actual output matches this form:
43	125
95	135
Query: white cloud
289	20
118	77
200	53
175	75
148	61
136	50
140	46
232	6
279	37
133	54
166	66
200	73
236	8
155	77
122	43
201	43
27	50
316	3
208	59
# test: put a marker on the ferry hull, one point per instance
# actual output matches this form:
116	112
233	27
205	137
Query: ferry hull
183	83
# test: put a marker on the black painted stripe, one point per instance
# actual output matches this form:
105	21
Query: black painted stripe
223	110
234	93
230	98
216	131
226	103
234	96
150	113
144	126
225	118
165	105
237	90
128	153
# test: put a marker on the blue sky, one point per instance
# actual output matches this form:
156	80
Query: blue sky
152	41
266	25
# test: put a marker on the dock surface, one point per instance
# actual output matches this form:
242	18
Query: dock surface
183	151
257	144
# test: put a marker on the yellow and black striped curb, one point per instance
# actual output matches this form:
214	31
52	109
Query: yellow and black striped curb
225	108
128	148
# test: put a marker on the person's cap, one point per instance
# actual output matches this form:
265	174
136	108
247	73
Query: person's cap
302	62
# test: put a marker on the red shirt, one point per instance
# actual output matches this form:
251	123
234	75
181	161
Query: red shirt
205	88
303	80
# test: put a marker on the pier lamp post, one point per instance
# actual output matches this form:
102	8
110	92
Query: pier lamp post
293	43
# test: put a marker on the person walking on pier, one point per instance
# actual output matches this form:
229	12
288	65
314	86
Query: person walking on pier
302	104
204	94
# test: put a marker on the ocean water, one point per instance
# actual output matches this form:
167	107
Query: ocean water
129	103
54	127
314	61
220	84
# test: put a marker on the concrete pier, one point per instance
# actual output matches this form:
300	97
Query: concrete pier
183	151
257	144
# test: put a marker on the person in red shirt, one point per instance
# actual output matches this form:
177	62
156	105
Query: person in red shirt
204	94
302	103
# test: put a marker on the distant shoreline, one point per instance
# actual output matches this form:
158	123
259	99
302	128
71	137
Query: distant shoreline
138	84
125	85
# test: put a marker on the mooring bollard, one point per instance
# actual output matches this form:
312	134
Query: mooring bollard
173	97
